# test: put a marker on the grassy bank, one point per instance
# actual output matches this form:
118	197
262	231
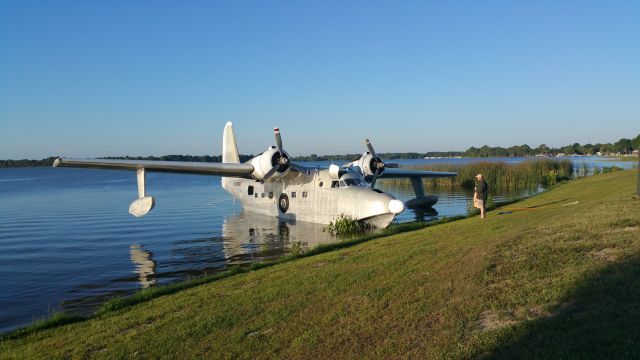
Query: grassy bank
348	237
500	175
556	277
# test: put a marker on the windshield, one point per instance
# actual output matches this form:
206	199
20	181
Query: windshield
351	182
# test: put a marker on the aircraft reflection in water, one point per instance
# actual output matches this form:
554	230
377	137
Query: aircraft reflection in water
248	235
145	266
425	213
245	237
271	184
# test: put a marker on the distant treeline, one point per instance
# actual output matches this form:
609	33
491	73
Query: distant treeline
388	155
622	146
27	163
189	158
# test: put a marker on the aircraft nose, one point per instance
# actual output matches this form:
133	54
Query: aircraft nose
396	206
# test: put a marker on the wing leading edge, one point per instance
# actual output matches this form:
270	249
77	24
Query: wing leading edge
204	168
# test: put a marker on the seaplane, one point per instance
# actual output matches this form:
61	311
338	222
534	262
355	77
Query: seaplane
271	184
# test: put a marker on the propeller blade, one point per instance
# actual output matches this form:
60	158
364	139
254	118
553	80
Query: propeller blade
270	173
297	168
370	148
276	131
375	177
392	165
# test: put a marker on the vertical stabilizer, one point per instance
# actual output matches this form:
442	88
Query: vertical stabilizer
229	146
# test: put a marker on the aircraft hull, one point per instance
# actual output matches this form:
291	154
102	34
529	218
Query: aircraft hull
310	198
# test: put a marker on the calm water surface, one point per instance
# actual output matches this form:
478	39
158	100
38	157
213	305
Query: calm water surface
68	243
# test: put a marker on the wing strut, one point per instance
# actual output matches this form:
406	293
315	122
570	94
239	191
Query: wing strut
143	204
418	188
421	200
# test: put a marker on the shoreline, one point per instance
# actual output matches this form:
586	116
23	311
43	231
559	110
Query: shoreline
148	294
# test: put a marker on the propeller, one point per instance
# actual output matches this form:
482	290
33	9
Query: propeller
270	173
375	177
280	160
276	131
376	164
370	148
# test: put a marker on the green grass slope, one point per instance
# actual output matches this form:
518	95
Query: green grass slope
547	280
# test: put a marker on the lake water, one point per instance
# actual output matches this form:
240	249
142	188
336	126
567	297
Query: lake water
68	243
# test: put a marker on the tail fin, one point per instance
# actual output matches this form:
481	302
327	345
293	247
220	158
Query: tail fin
229	146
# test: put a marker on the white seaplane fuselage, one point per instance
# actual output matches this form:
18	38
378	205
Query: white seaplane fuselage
313	195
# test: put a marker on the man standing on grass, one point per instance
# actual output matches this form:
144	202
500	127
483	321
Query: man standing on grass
480	195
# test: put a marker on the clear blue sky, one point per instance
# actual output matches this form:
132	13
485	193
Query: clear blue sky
95	78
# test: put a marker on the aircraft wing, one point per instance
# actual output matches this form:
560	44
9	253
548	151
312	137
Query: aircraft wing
402	173
204	168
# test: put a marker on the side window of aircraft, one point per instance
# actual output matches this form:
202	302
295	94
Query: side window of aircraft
293	194
304	194
250	190
320	184
262	194
256	194
270	195
334	184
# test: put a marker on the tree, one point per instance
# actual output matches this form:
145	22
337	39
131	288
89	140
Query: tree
624	146
587	149
636	143
542	149
485	151
569	150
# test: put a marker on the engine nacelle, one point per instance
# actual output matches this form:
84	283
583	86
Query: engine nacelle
334	172
367	164
269	159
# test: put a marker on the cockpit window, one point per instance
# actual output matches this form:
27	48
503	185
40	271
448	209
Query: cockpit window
352	182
